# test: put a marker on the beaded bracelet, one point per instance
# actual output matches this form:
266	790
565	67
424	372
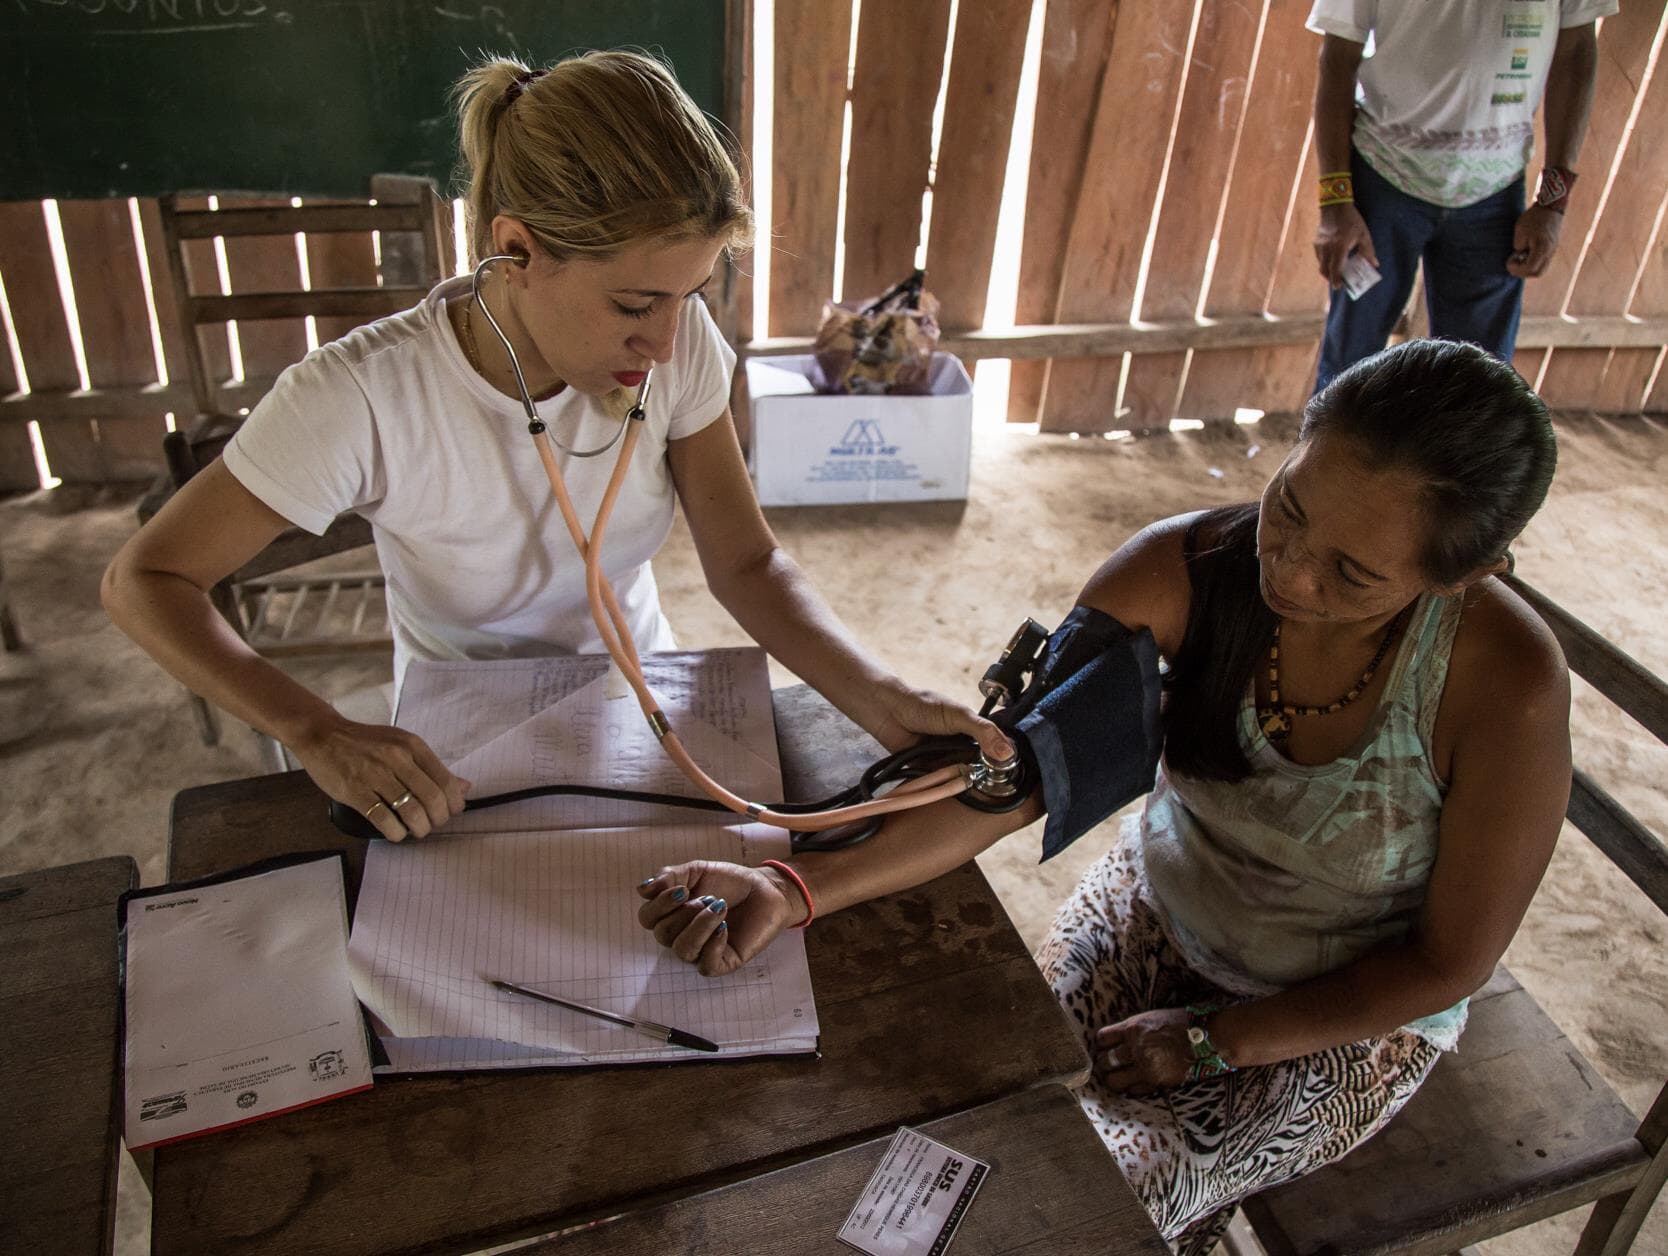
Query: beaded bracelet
790	874
1207	1060
1337	188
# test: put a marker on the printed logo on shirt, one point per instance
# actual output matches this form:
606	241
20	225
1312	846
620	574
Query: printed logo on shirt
1521	25
1520	58
1506	98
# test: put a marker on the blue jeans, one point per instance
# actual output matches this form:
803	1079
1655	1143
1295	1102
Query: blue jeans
1468	293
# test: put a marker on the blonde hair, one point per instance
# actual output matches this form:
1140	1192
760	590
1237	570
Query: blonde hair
599	151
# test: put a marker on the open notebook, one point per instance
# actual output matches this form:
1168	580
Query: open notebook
542	892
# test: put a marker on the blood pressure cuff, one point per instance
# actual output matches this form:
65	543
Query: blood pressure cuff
1088	723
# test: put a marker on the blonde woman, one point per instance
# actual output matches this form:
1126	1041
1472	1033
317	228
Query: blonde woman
616	202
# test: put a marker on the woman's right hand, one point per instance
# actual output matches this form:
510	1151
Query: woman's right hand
718	916
373	767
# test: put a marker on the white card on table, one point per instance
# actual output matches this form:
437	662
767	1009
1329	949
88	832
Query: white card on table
915	1200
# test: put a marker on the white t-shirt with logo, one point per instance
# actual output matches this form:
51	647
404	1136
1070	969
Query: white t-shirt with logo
390	421
1446	98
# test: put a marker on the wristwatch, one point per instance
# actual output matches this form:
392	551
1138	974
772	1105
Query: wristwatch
1207	1060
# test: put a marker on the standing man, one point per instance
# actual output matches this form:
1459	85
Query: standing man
1423	145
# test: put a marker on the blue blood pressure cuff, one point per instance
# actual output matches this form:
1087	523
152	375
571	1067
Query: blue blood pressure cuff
1088	723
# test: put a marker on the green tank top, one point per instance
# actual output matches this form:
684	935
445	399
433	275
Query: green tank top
1297	870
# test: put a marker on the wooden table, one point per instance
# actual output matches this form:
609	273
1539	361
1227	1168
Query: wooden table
1053	1190
58	1054
928	1000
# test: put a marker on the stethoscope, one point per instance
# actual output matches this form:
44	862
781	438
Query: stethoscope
925	773
534	423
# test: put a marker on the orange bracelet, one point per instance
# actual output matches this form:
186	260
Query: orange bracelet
790	874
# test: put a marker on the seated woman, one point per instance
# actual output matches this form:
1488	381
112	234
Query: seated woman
1365	767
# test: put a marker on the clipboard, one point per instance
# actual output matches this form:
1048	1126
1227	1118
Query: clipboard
237	1002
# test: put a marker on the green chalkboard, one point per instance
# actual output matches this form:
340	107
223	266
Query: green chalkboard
306	97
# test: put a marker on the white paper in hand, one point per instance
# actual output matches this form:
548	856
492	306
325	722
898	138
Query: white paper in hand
1359	275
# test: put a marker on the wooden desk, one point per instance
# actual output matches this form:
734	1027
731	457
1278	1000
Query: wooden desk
58	1053
1053	1190
928	1000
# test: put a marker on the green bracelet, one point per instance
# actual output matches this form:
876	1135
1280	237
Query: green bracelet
1207	1060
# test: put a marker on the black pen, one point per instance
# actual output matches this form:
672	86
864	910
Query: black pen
665	1033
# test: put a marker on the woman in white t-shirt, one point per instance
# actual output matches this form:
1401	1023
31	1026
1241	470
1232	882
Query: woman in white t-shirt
613	190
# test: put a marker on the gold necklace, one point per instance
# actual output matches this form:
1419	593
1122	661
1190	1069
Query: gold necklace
1276	716
469	349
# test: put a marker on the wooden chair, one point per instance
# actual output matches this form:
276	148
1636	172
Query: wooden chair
10	638
1516	1126
284	613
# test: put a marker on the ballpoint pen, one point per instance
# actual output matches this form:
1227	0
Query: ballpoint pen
665	1033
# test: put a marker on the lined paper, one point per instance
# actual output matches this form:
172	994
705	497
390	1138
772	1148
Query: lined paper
511	724
548	899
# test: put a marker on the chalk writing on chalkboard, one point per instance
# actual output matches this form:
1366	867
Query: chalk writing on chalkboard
292	97
166	15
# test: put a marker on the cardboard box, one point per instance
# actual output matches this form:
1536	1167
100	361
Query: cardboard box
815	449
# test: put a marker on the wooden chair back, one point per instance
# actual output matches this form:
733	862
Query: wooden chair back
407	214
1516	1126
280	612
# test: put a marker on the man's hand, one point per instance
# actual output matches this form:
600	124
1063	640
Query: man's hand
1342	231
1534	241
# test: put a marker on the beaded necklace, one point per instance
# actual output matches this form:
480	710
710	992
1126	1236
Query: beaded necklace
1276	716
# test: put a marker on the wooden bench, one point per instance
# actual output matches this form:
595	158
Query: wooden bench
1516	1126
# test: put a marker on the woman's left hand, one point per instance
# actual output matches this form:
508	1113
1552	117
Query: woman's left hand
907	715
1149	1051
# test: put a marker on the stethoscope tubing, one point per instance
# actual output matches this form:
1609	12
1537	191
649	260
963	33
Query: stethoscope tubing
610	621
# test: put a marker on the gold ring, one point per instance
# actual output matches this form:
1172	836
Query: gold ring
370	810
401	800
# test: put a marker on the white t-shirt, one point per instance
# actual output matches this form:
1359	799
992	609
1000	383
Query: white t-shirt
1447	98
391	422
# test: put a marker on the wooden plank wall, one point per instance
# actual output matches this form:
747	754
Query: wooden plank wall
112	430
1160	127
1170	176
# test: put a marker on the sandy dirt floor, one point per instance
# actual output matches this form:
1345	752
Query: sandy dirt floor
95	740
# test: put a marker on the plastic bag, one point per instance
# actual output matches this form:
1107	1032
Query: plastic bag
884	346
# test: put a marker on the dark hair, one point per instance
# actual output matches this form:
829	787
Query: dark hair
1464	422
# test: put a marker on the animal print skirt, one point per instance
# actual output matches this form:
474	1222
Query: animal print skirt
1193	1152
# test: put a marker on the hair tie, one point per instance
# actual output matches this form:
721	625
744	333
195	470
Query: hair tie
512	93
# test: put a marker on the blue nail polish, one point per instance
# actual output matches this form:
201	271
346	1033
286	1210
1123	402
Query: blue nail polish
716	906
679	894
705	900
722	925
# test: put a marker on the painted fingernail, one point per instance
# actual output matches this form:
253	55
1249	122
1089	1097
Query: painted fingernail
647	881
716	906
722	925
679	894
705	900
